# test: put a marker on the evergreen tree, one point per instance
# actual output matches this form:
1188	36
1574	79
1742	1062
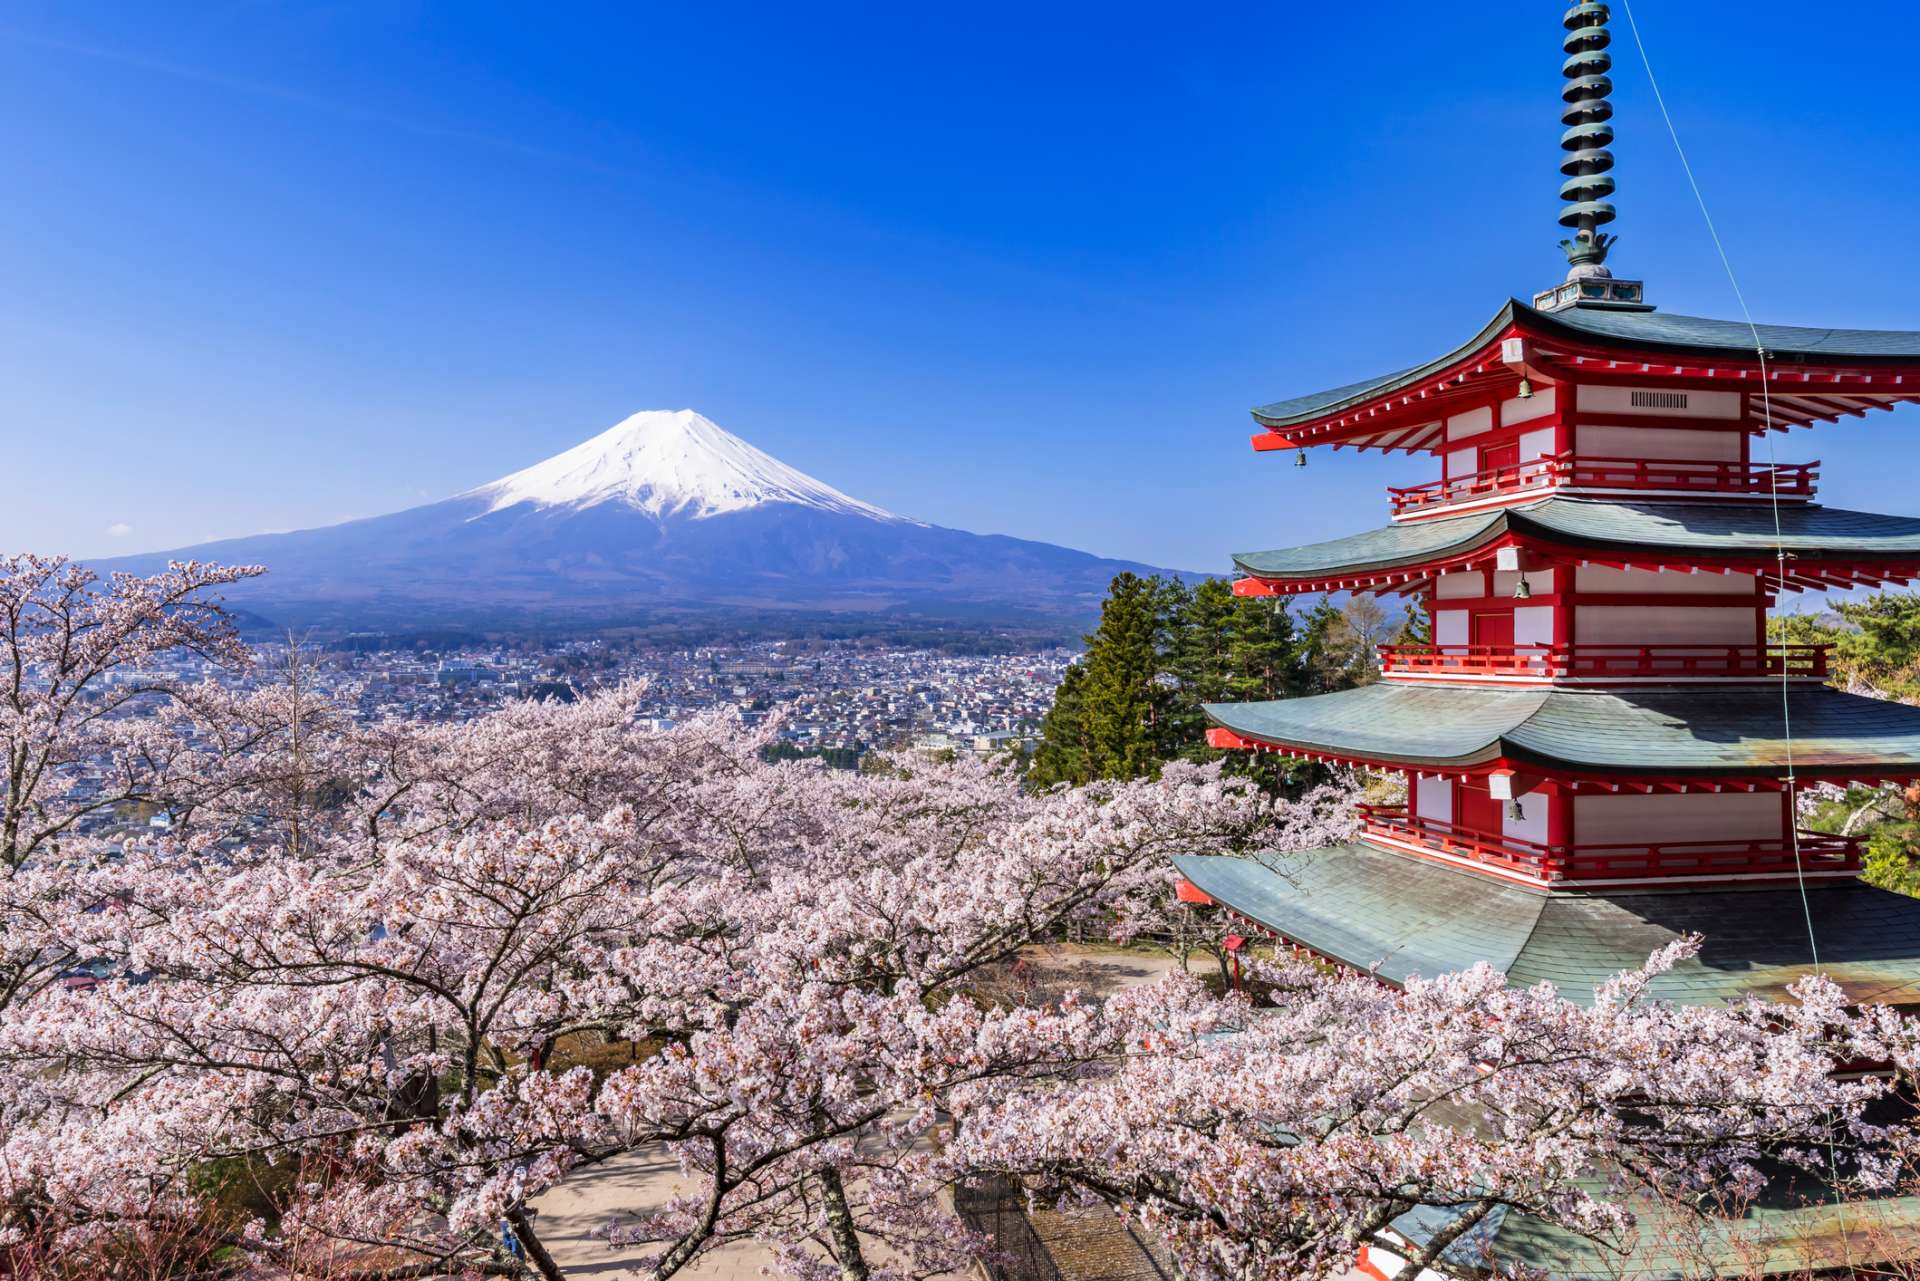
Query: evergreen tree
1415	627
1876	641
1128	694
1326	652
1164	648
1201	652
1885	650
1061	755
1265	651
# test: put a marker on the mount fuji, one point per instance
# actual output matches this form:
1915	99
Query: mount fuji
664	515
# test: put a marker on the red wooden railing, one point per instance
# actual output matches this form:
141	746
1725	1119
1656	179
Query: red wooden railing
1686	475
1790	480
1561	662
1514	478
1819	851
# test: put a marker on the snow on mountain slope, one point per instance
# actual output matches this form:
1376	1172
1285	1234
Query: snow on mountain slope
665	517
669	463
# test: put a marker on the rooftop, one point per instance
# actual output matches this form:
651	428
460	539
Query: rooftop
1843	361
1728	732
1398	917
1719	532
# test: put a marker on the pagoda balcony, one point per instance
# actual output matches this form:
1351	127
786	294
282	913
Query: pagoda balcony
1607	662
1667	477
1820	853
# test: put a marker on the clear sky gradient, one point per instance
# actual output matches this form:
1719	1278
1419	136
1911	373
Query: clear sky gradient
1013	268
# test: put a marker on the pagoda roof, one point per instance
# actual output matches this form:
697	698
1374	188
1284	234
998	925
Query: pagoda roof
1397	917
1712	532
1727	731
1596	338
1798	1227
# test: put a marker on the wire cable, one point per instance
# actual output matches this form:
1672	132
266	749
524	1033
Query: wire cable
1780	563
1773	470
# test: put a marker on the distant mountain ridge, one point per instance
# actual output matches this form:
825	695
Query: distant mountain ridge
666	514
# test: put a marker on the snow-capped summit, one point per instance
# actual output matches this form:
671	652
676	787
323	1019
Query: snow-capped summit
669	463
662	518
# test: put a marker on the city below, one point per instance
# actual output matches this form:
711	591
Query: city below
833	700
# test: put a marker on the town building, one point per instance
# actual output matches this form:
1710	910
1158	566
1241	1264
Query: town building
1601	749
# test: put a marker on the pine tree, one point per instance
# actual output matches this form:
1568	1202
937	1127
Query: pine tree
1061	755
1163	649
1415	627
1266	651
1118	712
1325	654
1201	651
1885	650
1128	694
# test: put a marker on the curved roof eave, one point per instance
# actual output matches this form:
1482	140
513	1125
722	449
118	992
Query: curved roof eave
1708	732
1286	413
1720	531
1641	330
1396	916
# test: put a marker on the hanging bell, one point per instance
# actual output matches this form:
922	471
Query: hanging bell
1526	388
1524	591
1299	458
1514	813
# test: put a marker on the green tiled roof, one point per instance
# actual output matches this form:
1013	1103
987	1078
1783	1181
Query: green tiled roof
1732	530
1785	344
1650	330
1793	1233
1722	731
1398	916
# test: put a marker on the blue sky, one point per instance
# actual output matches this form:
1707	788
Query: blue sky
1008	267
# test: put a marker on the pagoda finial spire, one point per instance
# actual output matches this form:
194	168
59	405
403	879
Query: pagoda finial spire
1585	141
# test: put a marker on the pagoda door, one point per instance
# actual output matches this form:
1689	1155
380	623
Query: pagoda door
1475	810
1494	457
1494	630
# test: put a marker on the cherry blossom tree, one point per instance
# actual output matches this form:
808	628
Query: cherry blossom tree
1321	817
73	651
75	671
404	978
1273	1142
391	1009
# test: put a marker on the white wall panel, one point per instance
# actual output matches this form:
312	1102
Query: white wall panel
1543	402
1536	444
1600	399
1604	578
1533	825
1625	819
1455	586
1641	625
1433	798
1656	442
1533	625
1471	423
1450	627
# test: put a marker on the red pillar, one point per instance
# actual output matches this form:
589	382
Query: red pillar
1560	815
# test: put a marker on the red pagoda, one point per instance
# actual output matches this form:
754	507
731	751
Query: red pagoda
1601	748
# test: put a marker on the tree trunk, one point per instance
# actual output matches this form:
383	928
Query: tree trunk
843	1239
536	1253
